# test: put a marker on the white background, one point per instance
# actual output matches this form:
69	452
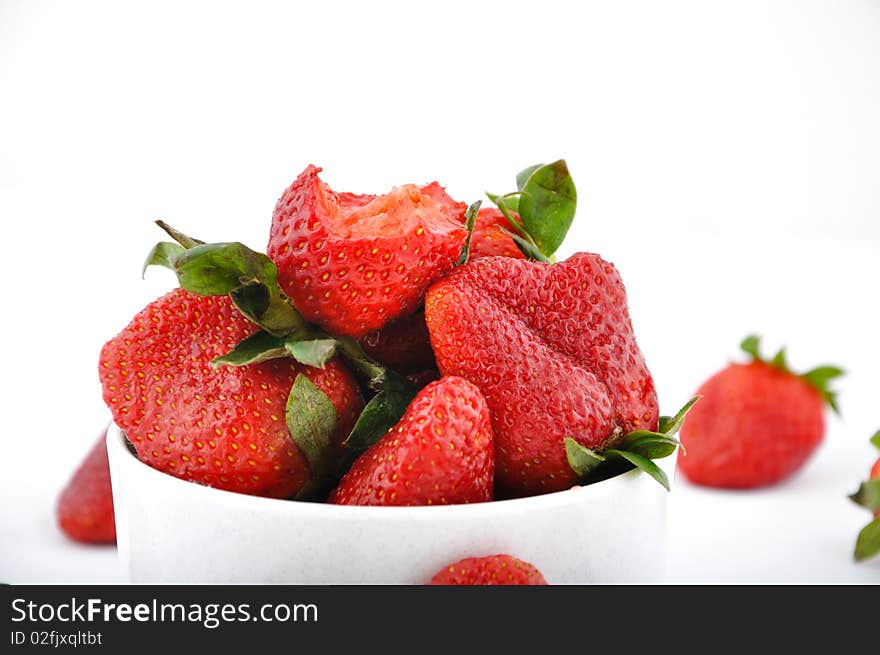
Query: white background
727	158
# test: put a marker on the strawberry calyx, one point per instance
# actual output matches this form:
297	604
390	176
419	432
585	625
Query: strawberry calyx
819	378
311	417
868	541
636	449
250	279
868	496
541	210
233	269
470	220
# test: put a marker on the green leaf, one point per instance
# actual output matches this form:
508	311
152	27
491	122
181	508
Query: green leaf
523	176
547	205
868	495
868	542
528	248
379	415
779	361
751	345
470	219
247	276
162	254
581	459
875	440
312	352
216	269
821	375
670	426
259	347
820	379
644	464
509	203
311	421
653	445
267	307
376	374
252	298
184	240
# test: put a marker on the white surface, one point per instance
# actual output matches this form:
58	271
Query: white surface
726	157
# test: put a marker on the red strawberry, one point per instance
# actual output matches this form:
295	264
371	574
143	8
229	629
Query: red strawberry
352	263
439	453
403	345
491	570
220	426
552	349
489	239
85	506
756	424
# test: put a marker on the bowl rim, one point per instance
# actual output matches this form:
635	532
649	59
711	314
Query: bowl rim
122	457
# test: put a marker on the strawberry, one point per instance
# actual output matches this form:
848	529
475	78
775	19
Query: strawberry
491	570
489	237
403	345
552	349
756	424
352	263
439	453
868	496
85	506
220	426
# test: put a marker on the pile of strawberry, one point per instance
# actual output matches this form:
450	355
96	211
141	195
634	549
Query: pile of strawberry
402	349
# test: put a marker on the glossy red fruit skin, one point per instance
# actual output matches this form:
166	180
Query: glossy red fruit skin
753	426
552	349
223	427
85	506
491	570
488	239
439	453
403	345
351	284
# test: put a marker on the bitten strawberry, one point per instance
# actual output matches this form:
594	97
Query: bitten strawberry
221	426
440	453
489	238
491	570
352	263
85	506
403	345
756	423
552	349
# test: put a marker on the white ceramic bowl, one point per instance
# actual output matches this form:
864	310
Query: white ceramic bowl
173	531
